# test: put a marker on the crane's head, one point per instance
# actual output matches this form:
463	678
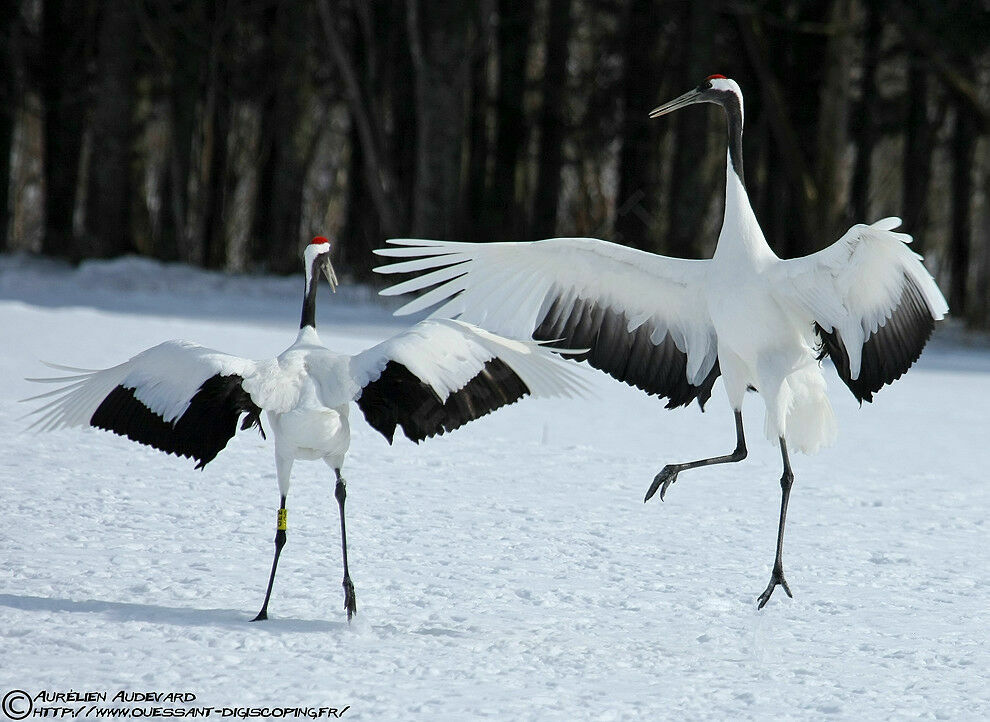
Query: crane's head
716	89
317	258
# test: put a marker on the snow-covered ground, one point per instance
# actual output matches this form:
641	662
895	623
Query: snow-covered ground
509	570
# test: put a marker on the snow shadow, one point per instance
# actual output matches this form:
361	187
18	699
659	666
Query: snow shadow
157	614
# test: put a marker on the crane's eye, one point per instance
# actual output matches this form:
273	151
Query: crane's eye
710	78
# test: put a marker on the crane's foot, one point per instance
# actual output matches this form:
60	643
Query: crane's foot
262	616
666	477
776	578
350	600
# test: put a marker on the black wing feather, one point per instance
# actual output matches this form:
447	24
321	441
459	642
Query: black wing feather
398	397
200	433
631	357
890	350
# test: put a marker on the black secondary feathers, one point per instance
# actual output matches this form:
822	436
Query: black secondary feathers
890	350
629	356
397	397
201	432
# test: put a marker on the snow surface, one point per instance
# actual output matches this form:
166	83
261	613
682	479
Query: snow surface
509	570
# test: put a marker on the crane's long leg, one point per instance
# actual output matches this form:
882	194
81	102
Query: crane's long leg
777	575
668	474
279	543
350	601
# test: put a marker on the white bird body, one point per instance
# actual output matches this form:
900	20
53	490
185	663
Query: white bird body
308	390
672	326
185	399
312	429
764	343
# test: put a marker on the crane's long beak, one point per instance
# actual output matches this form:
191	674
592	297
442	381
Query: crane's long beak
692	96
331	275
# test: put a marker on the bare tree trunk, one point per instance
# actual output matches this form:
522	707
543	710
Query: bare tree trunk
799	191
109	194
553	119
10	99
863	128
378	177
514	20
175	243
184	82
918	147
963	147
946	48
362	225
438	42
833	128
421	82
689	194
479	145
278	209
216	183
980	315
205	212
639	175
399	85
12	68
65	98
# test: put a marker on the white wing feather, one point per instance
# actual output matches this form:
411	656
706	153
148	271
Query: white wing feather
854	285
508	287
164	378
447	354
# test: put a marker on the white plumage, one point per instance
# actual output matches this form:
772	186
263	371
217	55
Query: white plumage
187	400
671	326
164	378
852	287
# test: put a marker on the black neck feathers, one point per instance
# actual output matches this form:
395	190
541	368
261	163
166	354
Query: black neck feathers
733	112
309	301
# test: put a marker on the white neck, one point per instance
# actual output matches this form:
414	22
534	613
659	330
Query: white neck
741	238
307	336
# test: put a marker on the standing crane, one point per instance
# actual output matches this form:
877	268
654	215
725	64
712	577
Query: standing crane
672	326
186	400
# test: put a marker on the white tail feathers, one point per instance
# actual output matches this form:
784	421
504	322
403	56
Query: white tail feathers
801	412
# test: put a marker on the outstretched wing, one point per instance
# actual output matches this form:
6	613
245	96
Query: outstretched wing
441	374
177	397
642	317
873	303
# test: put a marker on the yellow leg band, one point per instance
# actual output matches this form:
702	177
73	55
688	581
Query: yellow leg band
281	519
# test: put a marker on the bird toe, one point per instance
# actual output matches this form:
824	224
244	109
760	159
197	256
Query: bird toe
776	579
350	599
666	477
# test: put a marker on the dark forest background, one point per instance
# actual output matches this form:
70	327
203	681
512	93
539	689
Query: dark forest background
226	134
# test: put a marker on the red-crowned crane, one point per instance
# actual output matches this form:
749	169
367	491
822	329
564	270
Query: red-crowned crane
671	326
186	400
